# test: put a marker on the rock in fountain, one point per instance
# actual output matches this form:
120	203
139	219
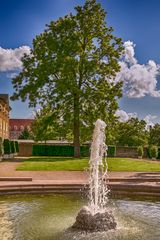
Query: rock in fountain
86	221
95	216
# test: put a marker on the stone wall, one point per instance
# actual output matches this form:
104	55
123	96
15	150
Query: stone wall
126	152
25	149
130	152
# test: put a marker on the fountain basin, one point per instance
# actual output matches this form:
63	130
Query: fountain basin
50	217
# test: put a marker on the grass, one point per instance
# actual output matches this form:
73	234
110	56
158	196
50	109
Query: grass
73	164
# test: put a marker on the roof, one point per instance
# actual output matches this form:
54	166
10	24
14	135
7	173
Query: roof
19	123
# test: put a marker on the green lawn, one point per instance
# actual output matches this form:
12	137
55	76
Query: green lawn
73	164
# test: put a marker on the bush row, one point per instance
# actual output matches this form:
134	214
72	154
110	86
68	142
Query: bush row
67	151
151	152
10	147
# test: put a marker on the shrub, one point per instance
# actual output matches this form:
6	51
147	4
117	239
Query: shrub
52	150
153	151
56	150
1	147
140	151
66	151
6	146
85	151
13	148
111	151
17	146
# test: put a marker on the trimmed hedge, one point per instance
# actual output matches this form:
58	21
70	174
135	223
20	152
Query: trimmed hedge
111	151
6	146
66	151
13	147
17	146
1	147
10	146
158	157
85	151
52	150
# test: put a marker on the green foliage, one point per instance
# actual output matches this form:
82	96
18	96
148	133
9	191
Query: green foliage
66	150
56	150
1	147
25	134
85	151
154	135
149	155
153	151
17	146
6	146
140	151
69	71
111	151
132	133
158	157
13	147
44	128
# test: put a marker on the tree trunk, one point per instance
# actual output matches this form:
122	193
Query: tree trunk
76	130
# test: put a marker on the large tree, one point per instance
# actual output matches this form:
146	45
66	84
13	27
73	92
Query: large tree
71	69
132	133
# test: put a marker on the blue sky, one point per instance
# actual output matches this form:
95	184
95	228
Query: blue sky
132	20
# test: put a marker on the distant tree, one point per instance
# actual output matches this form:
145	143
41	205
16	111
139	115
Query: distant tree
132	133
154	135
71	69
25	134
44	128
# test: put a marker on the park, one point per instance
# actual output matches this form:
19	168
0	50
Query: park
79	166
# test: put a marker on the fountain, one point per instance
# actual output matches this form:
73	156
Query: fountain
95	216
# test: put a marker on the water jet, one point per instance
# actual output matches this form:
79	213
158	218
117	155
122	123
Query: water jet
95	216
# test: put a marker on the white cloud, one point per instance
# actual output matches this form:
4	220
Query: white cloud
149	119
124	116
10	59
129	52
139	79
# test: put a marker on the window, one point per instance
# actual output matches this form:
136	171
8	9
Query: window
21	127
15	128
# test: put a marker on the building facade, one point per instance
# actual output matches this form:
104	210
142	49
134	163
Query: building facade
4	116
17	126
